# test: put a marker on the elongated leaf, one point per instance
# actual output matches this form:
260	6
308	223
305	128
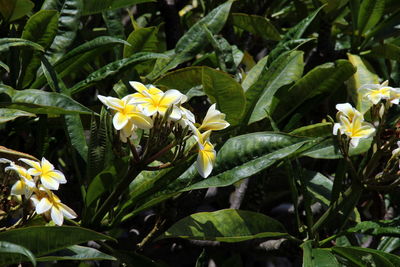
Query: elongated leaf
389	51
7	114
226	92
77	253
15	9
218	86
319	186
78	57
323	79
112	69
246	155
253	75
387	228
15	253
4	66
364	75
257	25
14	155
41	28
42	240
41	102
386	28
227	225
68	24
94	6
6	43
142	40
367	257
389	244
286	69
76	134
322	129
293	37
369	14
194	40
315	257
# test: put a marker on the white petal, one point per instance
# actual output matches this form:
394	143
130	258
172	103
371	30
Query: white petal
31	163
43	206
354	142
138	86
49	183
67	211
58	176
120	120
57	216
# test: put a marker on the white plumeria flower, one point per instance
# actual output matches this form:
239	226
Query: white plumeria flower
356	129
376	92
395	96
187	117
214	120
126	111
25	185
348	111
49	177
207	155
154	101
46	201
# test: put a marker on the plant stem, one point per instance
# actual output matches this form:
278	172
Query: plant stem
121	187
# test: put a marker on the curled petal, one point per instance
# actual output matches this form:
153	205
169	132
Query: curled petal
18	188
32	163
57	216
49	182
43	205
67	211
120	120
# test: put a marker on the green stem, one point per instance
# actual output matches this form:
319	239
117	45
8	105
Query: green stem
351	195
110	201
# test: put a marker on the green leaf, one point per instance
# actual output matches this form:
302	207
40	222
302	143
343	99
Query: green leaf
228	225
257	25
388	51
369	14
41	102
254	74
322	129
15	9
293	37
367	257
112	69
78	57
315	257
7	250
328	149
68	24
42	240
142	40
364	75
319	186
323	79
217	85
226	92
284	70
7	114
76	134
6	43
41	28
194	40
246	155
76	252
386	28
94	6
389	244
384	227
4	66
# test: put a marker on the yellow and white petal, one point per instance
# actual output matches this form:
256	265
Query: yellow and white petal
170	97
205	161
176	114
120	120
43	205
49	182
354	142
138	86
34	164
57	175
56	215
142	121
18	188
46	165
67	211
154	90
149	109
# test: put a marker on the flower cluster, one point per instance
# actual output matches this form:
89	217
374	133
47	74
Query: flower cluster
36	184
377	92
142	109
352	124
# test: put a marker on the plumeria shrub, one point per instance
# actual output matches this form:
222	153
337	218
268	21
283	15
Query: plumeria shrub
158	133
